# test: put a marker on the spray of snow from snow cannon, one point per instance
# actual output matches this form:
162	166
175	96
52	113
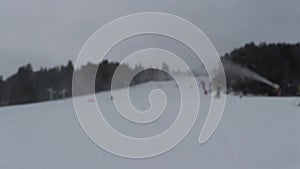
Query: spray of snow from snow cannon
242	72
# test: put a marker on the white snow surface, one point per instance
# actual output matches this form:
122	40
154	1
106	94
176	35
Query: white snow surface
255	133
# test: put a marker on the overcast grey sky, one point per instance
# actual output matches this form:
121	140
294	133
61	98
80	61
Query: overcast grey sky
50	32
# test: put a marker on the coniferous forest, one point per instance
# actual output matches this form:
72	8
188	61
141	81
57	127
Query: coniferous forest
28	86
279	63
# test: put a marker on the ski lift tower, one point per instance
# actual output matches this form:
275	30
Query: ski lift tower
51	92
63	93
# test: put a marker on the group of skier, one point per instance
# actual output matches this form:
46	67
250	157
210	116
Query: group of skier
277	90
205	91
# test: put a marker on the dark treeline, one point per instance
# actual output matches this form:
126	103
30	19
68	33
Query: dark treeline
280	63
28	86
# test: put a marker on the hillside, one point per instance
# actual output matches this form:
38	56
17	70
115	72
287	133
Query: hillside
256	132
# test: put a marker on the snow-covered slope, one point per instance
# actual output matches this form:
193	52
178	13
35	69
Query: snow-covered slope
255	133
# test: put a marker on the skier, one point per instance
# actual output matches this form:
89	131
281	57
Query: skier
218	94
205	92
299	95
241	94
204	88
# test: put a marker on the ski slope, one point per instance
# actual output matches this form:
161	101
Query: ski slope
255	133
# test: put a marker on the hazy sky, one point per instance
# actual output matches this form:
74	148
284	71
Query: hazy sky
50	32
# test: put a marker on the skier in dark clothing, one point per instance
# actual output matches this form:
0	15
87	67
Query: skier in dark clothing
204	88
299	94
218	94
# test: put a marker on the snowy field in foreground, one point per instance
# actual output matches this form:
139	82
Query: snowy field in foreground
255	133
